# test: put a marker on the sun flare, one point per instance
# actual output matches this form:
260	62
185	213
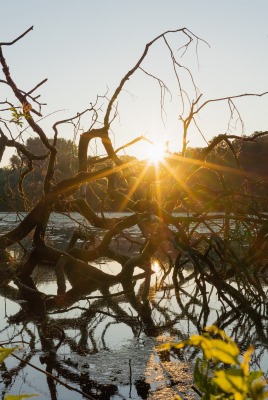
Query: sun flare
157	154
156	267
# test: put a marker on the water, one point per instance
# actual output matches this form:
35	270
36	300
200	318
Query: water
109	345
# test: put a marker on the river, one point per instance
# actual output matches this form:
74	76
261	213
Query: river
109	345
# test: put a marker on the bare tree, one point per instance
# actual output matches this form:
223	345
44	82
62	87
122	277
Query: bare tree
212	244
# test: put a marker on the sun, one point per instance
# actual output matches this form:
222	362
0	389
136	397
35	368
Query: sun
157	153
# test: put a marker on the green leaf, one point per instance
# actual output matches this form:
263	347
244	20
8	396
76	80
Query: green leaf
4	353
257	390
254	375
200	378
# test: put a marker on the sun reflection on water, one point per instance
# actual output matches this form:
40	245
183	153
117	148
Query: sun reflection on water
156	267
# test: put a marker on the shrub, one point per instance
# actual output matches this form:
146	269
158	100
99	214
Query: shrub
222	372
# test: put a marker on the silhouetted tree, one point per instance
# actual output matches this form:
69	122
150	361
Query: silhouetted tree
51	176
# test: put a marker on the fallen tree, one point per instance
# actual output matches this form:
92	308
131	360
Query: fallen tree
216	253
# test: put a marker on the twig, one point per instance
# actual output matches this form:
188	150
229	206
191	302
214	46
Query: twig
18	38
54	378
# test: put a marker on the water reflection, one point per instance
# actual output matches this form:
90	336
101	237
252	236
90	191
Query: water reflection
104	344
101	344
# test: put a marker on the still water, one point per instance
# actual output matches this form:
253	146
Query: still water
108	345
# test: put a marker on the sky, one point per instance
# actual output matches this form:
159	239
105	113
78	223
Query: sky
85	47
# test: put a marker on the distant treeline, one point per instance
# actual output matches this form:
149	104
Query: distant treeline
240	166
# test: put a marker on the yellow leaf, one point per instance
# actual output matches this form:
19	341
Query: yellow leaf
196	340
224	352
216	348
238	396
179	345
167	346
19	396
230	381
164	346
216	331
244	365
5	352
203	342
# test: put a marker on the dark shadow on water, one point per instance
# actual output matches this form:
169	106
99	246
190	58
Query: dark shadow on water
105	347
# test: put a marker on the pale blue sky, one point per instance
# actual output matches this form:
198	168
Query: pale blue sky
85	46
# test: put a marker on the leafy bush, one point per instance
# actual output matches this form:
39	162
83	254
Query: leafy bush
222	372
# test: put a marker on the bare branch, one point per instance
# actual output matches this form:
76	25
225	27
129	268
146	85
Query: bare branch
37	86
163	90
185	31
20	148
229	98
18	38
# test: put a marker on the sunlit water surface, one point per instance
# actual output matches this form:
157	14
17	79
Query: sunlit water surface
109	349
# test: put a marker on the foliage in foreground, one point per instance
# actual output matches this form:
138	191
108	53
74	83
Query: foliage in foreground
4	353
222	372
